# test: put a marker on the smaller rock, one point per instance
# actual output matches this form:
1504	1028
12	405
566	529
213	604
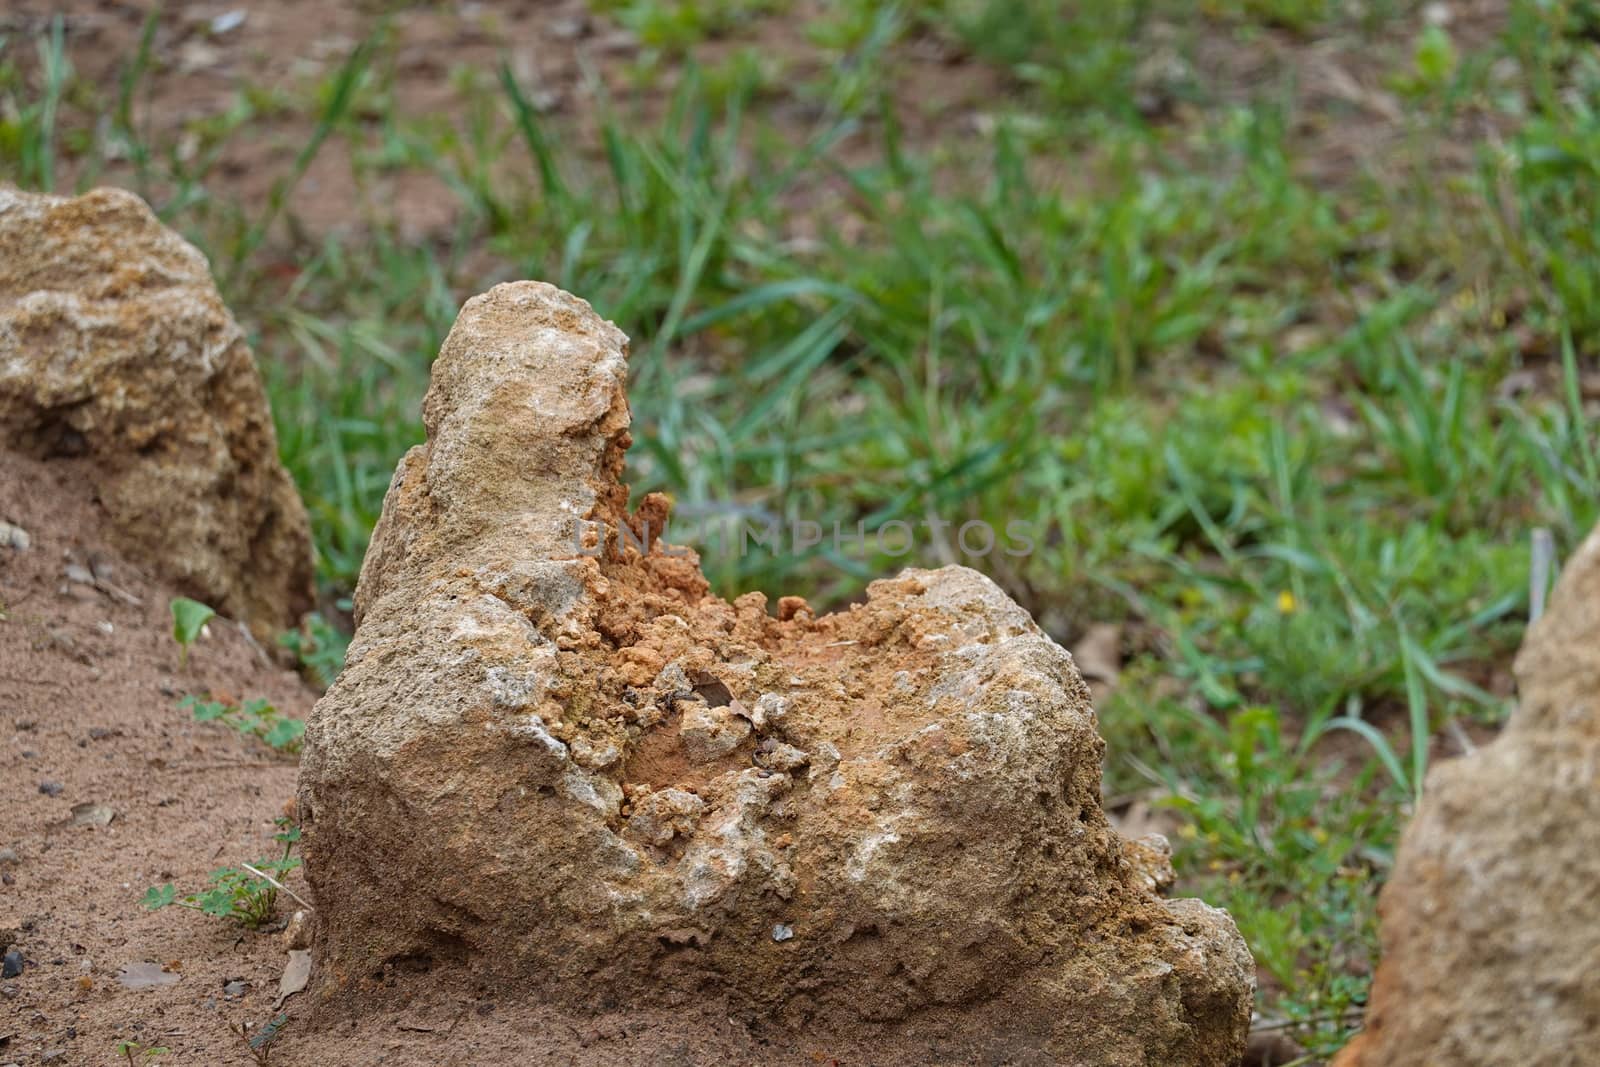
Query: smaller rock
297	934
54	1055
710	733
9	857
229	21
1151	857
660	816
77	572
91	814
11	966
782	932
775	755
770	710
51	789
14	537
234	988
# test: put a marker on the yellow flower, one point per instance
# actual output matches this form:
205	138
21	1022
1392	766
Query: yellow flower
1287	603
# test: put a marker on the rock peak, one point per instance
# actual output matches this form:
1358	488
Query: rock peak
527	422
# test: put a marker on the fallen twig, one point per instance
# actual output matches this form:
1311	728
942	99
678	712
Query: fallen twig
1540	563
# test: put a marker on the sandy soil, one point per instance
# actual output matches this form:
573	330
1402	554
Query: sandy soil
89	681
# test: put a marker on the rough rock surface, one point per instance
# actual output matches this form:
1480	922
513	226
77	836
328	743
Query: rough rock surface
1491	923
553	762
115	347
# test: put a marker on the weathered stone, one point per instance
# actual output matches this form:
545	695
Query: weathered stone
1491	923
116	349
559	764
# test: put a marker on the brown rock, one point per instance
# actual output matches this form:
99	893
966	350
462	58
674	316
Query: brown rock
880	829
1491	924
116	349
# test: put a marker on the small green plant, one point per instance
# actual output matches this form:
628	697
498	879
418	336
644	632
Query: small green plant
136	1053
260	1043
1434	61
247	894
256	718
189	617
319	646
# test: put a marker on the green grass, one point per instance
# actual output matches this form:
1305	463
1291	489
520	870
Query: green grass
1293	433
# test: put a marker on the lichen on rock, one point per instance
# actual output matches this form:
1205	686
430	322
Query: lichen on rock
117	353
555	762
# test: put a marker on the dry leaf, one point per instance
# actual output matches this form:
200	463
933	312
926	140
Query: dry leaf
295	976
145	976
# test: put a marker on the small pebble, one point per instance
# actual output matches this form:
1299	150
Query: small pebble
9	857
297	934
51	789
229	21
235	988
782	932
11	967
14	537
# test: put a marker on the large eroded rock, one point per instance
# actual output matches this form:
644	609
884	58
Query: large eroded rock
116	349
586	779
1491	921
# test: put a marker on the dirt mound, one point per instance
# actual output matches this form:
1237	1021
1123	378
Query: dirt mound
555	765
1491	927
89	683
115	346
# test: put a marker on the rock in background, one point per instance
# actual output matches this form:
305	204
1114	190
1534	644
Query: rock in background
555	767
117	352
1491	920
